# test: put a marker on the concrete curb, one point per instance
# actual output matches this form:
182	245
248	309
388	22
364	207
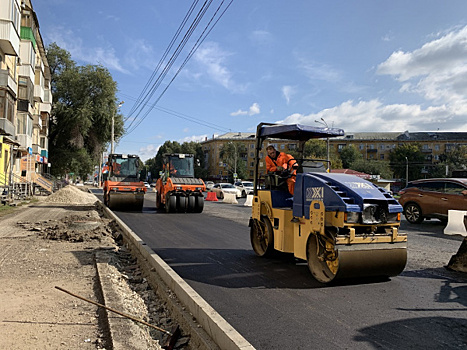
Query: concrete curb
222	333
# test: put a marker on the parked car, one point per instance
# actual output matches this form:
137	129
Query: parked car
432	198
147	185
245	187
209	185
222	188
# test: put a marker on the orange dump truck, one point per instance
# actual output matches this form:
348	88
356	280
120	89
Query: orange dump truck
177	189
123	188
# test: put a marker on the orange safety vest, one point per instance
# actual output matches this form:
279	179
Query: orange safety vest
283	160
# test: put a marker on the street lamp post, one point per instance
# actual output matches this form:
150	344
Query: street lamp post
406	171
113	127
323	122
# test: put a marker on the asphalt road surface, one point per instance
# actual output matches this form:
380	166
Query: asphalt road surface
276	304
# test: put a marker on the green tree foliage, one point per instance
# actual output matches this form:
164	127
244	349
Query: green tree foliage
81	118
154	165
232	154
373	167
349	155
457	158
317	149
410	154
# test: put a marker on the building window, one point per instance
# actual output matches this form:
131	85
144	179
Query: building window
252	146
362	146
340	147
381	156
252	164
381	146
7	106
252	173
292	146
282	146
252	154
436	147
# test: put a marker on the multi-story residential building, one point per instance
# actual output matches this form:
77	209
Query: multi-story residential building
9	52
379	145
372	145
25	97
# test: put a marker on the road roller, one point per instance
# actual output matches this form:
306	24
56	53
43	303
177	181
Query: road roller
123	189
177	190
342	225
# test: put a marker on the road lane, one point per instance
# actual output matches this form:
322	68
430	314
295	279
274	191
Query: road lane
276	304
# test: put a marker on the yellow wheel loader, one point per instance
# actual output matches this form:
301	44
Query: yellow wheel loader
341	225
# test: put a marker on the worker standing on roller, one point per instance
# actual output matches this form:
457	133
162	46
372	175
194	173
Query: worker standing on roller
280	161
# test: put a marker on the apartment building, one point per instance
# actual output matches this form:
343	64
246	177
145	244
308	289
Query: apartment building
378	145
372	145
25	95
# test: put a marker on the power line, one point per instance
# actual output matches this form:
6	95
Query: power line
142	102
184	116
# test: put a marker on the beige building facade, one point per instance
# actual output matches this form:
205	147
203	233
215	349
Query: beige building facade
25	94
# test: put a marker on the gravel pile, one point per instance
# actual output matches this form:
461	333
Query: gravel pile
71	195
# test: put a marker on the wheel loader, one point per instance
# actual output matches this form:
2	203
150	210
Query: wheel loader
123	188
177	189
341	225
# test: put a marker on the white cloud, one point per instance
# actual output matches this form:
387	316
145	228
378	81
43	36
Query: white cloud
195	138
437	71
288	91
213	59
105	56
253	110
148	152
375	116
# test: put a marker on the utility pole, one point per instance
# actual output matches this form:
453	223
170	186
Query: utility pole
113	127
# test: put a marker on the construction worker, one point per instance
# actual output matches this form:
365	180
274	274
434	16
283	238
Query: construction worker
280	161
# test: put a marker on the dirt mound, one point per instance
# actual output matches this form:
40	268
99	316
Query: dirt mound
71	195
73	228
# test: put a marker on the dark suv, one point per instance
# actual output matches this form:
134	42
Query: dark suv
432	198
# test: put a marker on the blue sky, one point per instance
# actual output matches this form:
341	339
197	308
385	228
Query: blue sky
363	65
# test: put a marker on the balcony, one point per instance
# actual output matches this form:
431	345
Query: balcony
36	149
37	121
24	140
38	93
7	81
7	127
9	38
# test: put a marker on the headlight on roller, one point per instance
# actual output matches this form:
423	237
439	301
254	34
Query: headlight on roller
352	217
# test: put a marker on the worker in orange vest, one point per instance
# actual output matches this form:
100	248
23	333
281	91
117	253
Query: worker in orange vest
280	161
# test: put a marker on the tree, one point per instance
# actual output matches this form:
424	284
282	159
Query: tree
407	157
317	149
81	118
349	155
231	155
155	164
457	158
